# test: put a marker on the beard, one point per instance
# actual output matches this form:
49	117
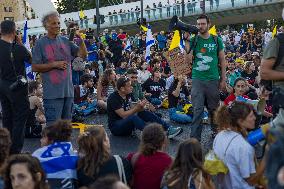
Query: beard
203	31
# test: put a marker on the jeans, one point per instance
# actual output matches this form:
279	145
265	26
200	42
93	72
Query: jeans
125	127
60	108
15	110
203	92
179	118
155	101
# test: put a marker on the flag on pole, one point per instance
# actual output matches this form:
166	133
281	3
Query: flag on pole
26	42
144	28
81	14
25	39
149	42
242	32
274	32
213	31
175	41
127	46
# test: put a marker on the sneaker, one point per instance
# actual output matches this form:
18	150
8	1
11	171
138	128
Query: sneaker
174	131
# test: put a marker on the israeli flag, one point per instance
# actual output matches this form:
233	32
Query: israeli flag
149	42
128	46
30	75
58	160
181	45
242	32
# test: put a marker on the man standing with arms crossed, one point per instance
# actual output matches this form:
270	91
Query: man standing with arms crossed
206	54
52	56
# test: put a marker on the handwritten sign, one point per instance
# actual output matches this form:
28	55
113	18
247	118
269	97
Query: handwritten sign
177	62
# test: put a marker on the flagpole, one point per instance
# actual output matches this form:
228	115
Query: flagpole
141	8
98	16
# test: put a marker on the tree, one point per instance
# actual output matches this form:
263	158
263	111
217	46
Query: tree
66	6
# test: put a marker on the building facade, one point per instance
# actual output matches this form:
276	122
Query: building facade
15	10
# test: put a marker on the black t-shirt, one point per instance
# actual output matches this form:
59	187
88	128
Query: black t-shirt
115	102
155	88
183	95
249	77
108	168
20	54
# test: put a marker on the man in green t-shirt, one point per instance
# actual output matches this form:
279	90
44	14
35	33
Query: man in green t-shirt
208	73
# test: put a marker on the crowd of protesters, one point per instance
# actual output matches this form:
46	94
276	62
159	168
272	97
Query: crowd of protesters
110	75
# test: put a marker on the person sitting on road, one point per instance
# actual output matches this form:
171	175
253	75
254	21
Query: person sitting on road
36	102
178	95
56	147
187	171
95	157
106	86
123	120
154	87
150	162
232	147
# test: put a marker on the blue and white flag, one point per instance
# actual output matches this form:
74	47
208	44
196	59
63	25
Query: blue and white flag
242	32
58	160
149	42
30	75
128	46
181	45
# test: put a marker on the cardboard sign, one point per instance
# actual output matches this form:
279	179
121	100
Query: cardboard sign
177	62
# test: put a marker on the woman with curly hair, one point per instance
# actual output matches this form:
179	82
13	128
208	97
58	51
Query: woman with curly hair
150	162
187	171
95	159
106	86
24	172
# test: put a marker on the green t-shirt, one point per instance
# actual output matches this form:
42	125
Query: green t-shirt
271	51
205	65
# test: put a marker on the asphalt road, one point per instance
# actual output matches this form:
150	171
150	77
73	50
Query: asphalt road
125	145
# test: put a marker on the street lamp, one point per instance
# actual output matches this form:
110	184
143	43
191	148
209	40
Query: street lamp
98	16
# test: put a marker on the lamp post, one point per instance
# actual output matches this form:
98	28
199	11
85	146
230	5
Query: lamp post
141	8
98	16
182	8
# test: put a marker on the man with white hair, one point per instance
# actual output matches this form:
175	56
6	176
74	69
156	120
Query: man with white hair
52	56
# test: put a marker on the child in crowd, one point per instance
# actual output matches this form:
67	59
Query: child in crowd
106	86
150	162
36	104
84	96
154	87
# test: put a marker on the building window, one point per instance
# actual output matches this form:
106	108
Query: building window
6	9
10	9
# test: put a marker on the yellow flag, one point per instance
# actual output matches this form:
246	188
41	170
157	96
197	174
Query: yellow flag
144	28
175	41
81	14
213	31
274	32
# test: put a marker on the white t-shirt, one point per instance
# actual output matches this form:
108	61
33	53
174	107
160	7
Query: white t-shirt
143	76
267	37
239	159
237	39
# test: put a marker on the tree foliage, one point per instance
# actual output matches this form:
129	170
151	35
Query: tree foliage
66	6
